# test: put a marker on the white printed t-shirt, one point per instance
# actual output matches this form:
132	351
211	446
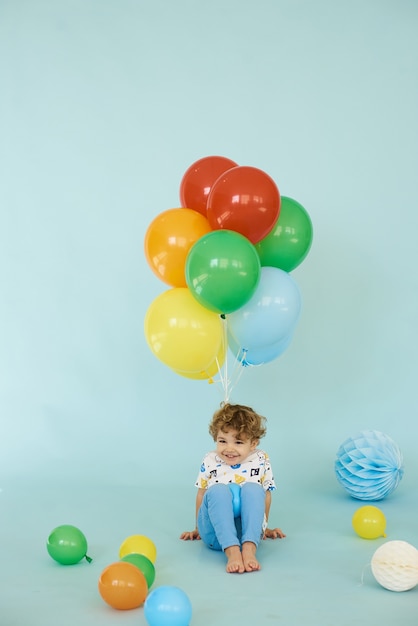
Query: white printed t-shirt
256	469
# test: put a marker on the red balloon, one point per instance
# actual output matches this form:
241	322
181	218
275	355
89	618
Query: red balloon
246	200
198	179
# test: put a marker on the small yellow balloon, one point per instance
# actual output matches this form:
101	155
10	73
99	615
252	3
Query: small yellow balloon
369	522
138	544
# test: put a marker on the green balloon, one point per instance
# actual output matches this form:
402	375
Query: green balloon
222	270
143	564
67	545
290	239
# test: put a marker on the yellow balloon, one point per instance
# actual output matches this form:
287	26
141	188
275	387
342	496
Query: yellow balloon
138	544
369	522
211	370
181	332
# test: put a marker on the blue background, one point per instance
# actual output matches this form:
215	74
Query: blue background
103	107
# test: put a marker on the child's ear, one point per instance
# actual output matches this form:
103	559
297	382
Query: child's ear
254	443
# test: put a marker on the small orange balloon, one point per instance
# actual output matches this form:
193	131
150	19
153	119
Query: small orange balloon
168	240
123	586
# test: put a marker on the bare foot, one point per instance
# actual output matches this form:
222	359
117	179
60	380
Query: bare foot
249	559
235	564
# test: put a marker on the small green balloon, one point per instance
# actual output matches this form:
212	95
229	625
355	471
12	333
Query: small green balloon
290	239
143	564
67	545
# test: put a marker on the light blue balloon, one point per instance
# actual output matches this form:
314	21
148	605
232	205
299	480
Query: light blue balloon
168	606
369	465
258	356
270	315
236	498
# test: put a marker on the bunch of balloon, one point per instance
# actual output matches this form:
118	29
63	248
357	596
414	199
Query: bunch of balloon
226	254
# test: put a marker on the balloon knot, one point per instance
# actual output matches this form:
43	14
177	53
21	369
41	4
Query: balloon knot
88	558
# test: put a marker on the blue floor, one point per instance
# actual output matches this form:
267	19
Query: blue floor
318	575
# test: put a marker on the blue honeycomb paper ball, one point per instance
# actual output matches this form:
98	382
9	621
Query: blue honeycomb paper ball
369	466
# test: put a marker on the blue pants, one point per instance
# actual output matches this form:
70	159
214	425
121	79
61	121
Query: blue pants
216	523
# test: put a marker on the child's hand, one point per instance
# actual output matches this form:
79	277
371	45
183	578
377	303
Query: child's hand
190	535
273	533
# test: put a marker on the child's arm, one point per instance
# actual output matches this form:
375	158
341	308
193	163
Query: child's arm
194	534
271	533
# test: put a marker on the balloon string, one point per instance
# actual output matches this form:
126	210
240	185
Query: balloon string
362	573
239	362
237	372
238	369
227	379
220	378
226	385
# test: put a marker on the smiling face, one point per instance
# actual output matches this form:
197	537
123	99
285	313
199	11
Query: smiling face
233	448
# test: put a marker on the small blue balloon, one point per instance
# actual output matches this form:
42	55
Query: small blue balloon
168	606
236	498
369	465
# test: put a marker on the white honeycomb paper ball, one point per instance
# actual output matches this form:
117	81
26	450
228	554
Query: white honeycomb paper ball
395	565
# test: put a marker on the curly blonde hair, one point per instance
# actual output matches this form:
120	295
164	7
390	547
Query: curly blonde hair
238	417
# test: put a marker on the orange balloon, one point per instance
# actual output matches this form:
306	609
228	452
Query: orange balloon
198	179
123	586
168	240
